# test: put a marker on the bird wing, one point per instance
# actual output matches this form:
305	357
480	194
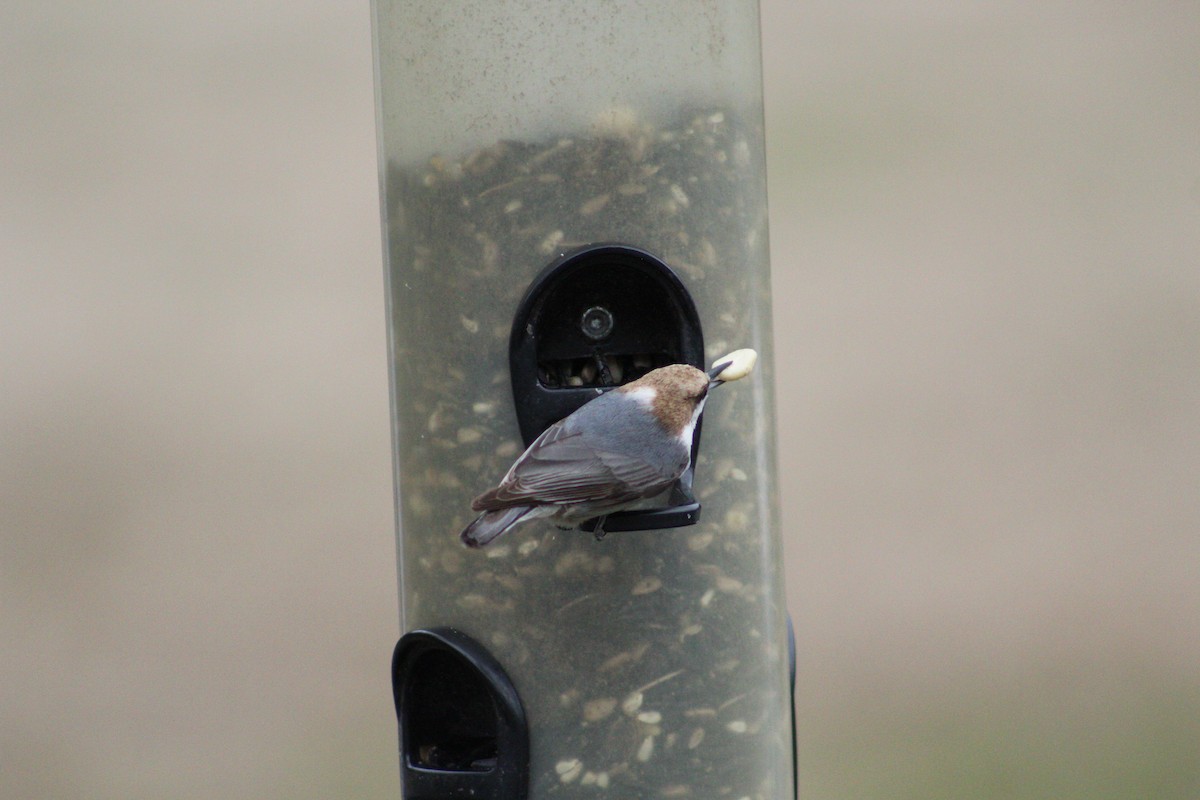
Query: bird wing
562	468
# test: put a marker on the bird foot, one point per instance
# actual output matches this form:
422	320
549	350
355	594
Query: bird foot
600	532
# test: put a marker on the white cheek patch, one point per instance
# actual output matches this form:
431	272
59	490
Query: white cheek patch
644	395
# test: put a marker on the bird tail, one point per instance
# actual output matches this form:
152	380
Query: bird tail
490	524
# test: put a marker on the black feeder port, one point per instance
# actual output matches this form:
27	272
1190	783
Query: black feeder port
463	732
595	319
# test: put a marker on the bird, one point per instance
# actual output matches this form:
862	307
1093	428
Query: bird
622	447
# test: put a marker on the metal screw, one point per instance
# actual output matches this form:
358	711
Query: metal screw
596	323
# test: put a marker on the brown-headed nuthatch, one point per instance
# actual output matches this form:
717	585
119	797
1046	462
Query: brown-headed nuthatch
613	452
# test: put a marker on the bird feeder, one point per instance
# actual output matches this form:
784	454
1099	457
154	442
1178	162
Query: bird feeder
574	194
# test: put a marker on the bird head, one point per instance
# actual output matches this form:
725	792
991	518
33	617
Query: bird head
675	395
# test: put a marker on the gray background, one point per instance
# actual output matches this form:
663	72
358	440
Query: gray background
986	246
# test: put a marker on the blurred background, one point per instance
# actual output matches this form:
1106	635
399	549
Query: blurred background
985	228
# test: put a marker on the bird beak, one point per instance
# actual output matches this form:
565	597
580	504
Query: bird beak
716	370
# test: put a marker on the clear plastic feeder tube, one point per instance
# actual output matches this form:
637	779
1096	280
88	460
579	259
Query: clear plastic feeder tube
650	663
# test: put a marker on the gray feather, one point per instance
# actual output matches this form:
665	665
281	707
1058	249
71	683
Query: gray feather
490	524
608	453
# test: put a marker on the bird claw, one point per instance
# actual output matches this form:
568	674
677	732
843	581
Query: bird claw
599	532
